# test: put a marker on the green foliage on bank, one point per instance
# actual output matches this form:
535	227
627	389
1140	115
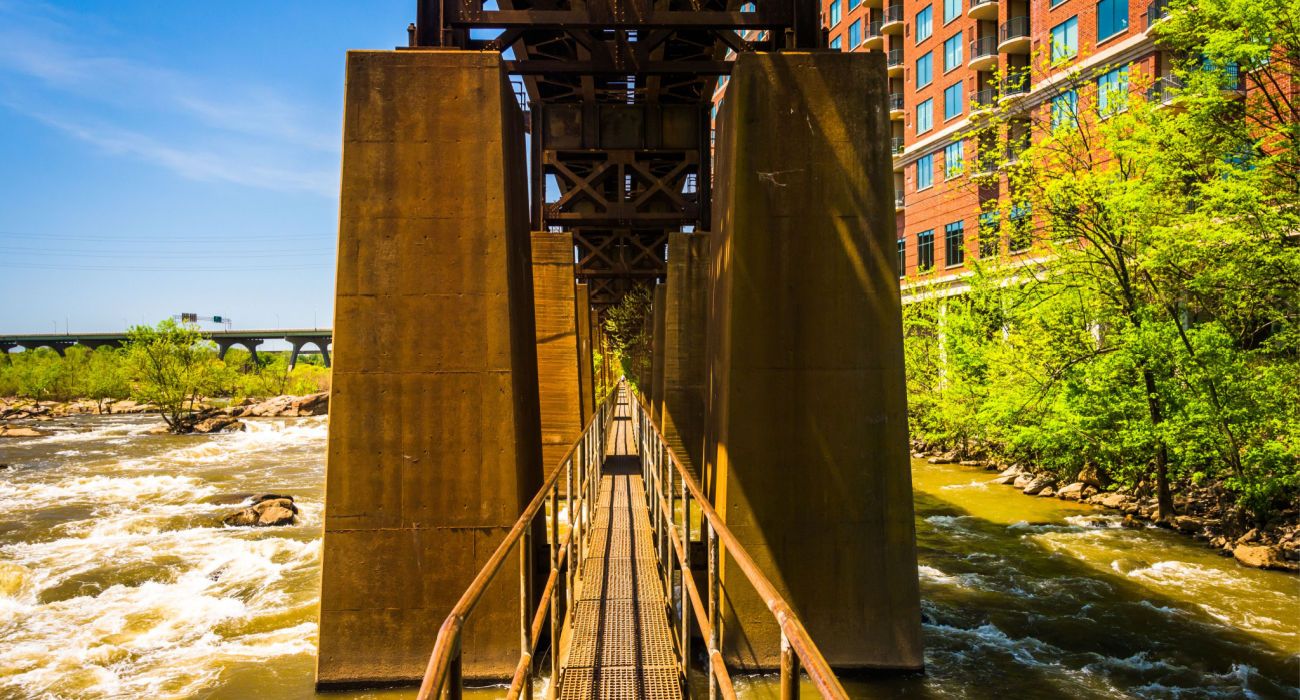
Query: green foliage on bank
1153	333
108	373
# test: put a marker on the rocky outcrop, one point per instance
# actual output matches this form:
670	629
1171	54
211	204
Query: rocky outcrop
1071	492
220	424
284	407
19	431
267	510
1263	557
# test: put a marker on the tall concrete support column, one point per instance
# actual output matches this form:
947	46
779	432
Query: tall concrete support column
685	378
806	447
557	344
586	372
656	393
434	442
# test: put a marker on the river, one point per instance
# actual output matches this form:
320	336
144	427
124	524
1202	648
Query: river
117	581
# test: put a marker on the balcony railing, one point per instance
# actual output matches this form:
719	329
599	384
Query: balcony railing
1014	28
896	144
983	47
1015	84
978	3
1157	11
873	28
895	101
899	199
891	14
1164	89
895	57
983	99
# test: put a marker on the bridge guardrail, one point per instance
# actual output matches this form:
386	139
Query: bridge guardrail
583	457
660	464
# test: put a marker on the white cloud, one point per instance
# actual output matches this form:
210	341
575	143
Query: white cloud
137	108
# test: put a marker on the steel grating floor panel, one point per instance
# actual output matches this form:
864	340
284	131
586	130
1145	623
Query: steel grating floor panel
621	645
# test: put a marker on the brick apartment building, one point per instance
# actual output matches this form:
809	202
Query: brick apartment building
950	60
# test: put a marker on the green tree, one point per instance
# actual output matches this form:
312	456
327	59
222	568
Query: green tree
173	370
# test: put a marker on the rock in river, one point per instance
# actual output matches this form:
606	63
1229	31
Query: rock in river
1263	557
18	431
267	510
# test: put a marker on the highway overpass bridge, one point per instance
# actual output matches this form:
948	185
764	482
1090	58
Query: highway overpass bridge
300	340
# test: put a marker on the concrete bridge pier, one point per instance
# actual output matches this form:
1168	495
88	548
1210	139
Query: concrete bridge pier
249	344
686	303
806	448
555	308
586	371
434	442
655	392
322	344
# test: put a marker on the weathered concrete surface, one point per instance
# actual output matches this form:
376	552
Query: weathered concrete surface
685	377
434	431
586	373
557	345
806	447
656	395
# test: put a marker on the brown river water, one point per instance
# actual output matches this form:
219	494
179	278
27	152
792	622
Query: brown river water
117	581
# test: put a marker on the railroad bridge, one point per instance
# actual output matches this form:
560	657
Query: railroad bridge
502	507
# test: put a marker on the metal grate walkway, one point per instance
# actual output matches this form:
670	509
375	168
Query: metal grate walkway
621	645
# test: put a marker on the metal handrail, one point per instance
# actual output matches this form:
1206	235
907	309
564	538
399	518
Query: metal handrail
445	668
660	463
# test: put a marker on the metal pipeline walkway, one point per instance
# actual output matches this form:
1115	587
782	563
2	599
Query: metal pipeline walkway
613	631
621	645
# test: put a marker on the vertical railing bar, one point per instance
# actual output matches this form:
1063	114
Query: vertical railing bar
686	571
714	592
455	674
789	670
575	530
525	575
555	571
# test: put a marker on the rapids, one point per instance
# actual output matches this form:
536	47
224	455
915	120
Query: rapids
118	581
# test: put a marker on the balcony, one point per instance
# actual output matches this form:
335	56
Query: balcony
1013	36
892	20
1015	85
895	62
896	145
895	105
1157	11
983	9
982	100
983	53
899	201
1164	90
874	39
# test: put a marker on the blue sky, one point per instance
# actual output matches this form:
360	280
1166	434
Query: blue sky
161	157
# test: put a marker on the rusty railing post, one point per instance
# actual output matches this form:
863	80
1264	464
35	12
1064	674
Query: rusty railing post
525	577
455	674
789	670
686	571
555	573
715	636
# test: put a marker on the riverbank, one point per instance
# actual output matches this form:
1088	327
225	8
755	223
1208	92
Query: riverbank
1204	514
213	415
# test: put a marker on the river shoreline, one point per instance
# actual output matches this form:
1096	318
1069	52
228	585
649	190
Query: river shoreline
1202	515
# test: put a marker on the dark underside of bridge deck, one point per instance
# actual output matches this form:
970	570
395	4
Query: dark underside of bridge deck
619	94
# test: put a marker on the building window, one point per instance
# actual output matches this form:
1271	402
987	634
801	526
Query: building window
951	10
853	4
835	43
1112	18
954	243
1065	39
835	12
924	172
954	159
924	24
1112	91
925	116
1054	3
924	70
952	101
952	52
902	257
1063	108
1021	225
855	34
925	251
990	232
